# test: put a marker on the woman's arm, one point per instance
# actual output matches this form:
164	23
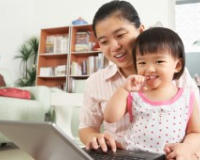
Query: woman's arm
91	117
191	143
192	137
186	81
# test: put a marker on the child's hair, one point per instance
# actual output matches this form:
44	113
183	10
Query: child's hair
158	39
125	9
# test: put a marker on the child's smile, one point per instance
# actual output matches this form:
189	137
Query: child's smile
152	81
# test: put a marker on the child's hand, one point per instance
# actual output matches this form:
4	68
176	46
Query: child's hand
134	83
179	151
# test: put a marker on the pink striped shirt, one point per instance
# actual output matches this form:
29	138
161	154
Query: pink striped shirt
100	87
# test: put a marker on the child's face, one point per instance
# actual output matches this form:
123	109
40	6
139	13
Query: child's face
158	68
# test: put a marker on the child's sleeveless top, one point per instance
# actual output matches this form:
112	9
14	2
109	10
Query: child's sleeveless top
154	124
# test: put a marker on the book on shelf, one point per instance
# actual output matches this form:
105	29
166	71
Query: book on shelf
46	71
88	66
78	85
60	70
57	44
82	41
76	69
101	61
49	46
84	68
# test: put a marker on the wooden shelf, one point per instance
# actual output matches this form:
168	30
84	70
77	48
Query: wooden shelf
51	55
86	52
79	76
51	77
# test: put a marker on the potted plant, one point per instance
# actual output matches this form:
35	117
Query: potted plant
28	55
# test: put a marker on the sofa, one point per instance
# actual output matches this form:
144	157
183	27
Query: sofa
34	109
50	104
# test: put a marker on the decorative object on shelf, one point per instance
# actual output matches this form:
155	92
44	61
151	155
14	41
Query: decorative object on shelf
28	56
79	21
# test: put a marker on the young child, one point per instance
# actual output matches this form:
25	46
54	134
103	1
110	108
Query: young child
163	117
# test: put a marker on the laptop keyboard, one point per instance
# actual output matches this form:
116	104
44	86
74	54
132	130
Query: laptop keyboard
99	155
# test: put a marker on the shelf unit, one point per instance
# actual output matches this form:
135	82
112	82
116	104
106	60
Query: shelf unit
80	58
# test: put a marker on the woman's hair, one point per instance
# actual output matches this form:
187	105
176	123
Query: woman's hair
125	9
159	39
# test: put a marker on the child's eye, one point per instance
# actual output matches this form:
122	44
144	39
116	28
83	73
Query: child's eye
160	61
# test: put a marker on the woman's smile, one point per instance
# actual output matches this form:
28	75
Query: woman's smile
120	57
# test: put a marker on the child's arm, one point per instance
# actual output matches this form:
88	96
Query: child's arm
191	142
116	106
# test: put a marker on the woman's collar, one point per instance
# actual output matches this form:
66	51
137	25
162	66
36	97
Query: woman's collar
112	71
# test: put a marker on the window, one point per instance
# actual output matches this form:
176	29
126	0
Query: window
188	23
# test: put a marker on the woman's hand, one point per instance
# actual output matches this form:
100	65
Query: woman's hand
103	141
179	151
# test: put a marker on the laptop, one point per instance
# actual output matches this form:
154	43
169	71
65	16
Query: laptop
45	141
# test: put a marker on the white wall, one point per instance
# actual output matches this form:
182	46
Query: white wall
23	18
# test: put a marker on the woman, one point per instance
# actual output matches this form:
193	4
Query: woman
116	25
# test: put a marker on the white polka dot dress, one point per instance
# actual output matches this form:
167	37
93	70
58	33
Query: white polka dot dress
154	124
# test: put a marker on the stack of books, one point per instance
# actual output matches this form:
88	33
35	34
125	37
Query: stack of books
88	66
57	44
82	42
46	71
59	70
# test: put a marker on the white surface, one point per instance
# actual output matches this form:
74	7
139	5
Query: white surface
22	19
66	106
66	99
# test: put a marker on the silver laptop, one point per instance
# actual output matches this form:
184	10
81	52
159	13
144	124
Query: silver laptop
45	141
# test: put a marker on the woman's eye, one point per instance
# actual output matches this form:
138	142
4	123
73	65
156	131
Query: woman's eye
141	63
103	42
121	35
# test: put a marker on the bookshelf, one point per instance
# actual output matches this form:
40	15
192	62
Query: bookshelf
67	56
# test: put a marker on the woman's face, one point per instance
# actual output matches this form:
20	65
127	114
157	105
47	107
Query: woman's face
115	36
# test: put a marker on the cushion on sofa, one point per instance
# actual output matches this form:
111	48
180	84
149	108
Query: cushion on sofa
15	93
